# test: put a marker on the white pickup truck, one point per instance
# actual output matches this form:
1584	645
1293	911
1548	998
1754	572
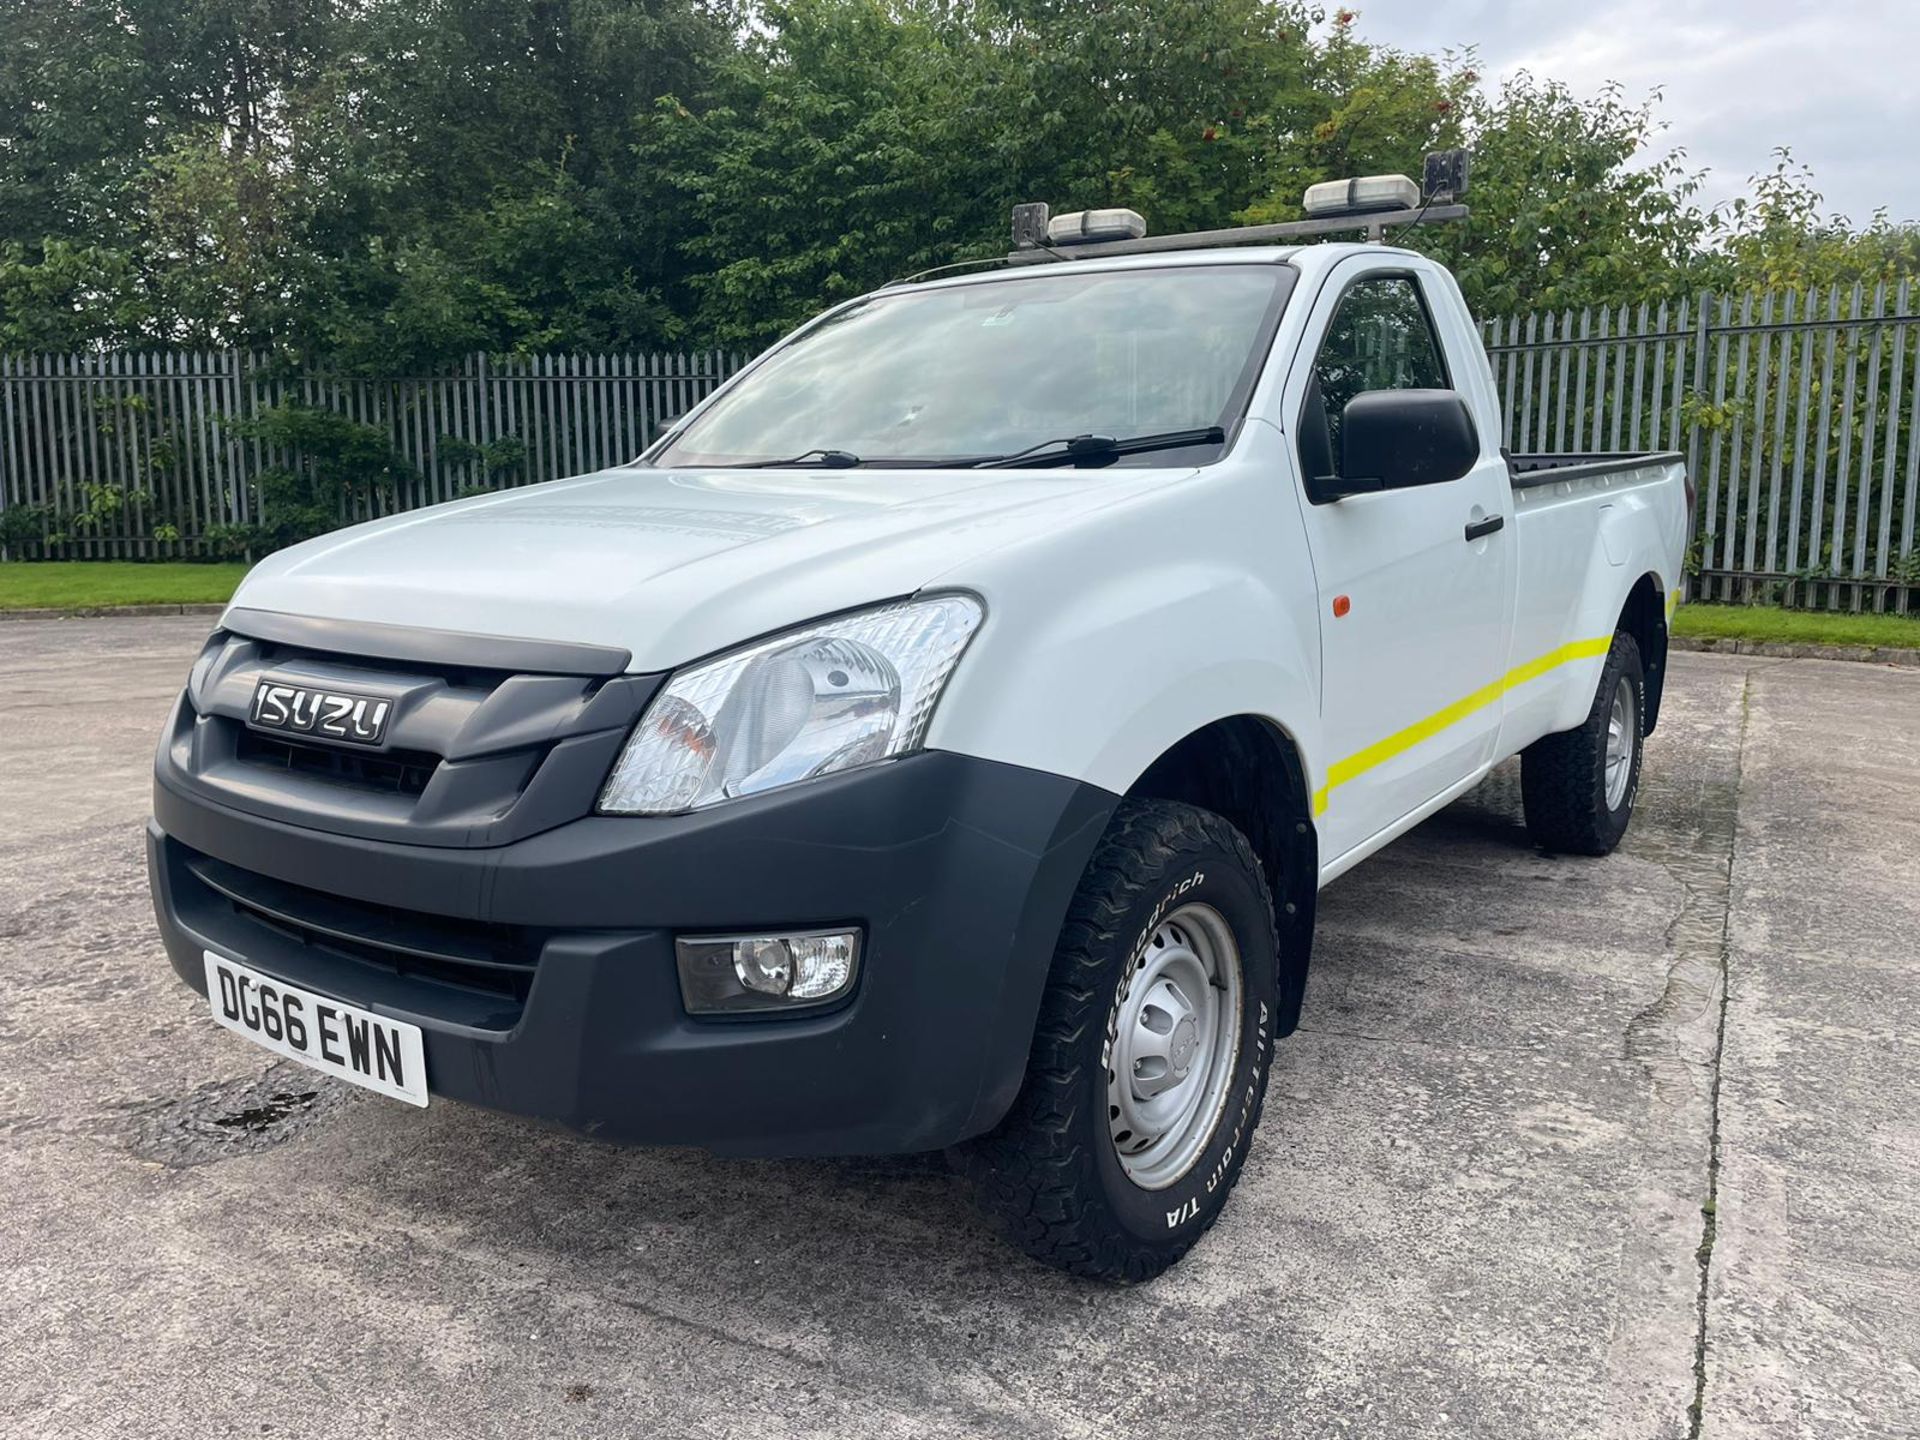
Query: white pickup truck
937	739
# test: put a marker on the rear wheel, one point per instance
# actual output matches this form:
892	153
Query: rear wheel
1578	787
1149	1063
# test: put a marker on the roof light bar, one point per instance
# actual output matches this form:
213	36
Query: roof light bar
1081	227
1368	195
1373	203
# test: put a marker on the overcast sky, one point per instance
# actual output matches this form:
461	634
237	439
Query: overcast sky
1839	83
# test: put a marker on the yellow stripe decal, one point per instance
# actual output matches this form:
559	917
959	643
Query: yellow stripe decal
1400	741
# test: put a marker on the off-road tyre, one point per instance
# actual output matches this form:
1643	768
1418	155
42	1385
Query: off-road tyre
1563	777
1050	1174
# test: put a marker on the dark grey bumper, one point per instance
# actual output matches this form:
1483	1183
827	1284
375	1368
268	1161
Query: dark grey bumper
959	870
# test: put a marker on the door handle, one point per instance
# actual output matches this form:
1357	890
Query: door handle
1478	528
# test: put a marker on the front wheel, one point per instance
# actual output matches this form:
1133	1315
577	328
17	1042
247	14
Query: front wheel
1578	787
1150	1060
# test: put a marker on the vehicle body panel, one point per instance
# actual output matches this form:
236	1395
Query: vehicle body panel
1429	611
1106	644
672	565
1584	543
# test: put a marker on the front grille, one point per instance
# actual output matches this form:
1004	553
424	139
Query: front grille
494	960
393	772
458	677
474	757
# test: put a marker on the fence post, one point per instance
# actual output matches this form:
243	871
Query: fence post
246	406
1709	513
6	442
1892	446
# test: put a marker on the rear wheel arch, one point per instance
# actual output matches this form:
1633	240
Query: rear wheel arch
1249	771
1644	617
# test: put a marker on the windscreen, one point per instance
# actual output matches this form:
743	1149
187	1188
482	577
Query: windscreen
993	368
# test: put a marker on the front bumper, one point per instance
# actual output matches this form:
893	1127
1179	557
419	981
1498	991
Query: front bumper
959	871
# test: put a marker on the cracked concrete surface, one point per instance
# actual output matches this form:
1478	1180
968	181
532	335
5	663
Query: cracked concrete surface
1473	1207
1813	1306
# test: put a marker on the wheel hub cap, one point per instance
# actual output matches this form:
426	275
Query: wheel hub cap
1619	757
1176	1035
1186	1039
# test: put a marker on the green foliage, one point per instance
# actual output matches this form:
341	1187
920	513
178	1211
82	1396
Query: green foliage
824	157
61	295
1777	239
395	183
1572	204
390	184
1364	110
221	251
337	469
100	506
489	466
41	531
23	531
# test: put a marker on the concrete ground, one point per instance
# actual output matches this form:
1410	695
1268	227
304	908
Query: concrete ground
1477	1204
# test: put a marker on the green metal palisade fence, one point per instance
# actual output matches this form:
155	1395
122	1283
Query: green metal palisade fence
161	423
1798	412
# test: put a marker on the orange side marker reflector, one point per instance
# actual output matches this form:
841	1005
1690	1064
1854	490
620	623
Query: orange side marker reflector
1341	604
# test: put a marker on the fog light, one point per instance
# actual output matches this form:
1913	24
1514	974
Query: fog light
822	965
763	965
731	974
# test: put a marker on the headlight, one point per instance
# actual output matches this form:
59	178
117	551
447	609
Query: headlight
836	695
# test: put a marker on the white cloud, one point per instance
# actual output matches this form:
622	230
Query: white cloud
1835	82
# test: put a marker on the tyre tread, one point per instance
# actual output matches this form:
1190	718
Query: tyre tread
1031	1174
1560	775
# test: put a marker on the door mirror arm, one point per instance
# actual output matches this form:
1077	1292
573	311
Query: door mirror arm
1327	489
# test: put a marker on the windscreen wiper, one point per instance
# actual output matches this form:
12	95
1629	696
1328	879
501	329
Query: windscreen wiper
831	459
1096	449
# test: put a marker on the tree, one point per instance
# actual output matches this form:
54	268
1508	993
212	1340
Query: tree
1571	203
849	143
392	183
1777	238
386	183
1364	110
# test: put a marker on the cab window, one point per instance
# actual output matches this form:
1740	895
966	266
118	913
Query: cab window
1380	338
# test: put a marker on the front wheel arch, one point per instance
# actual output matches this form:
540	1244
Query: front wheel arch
1248	771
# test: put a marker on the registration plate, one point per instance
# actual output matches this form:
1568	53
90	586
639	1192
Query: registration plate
343	1040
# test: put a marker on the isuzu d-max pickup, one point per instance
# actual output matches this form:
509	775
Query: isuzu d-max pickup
937	739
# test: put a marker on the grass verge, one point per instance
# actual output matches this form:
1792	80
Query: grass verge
83	584
1795	627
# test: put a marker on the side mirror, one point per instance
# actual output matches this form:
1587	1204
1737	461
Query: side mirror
1390	439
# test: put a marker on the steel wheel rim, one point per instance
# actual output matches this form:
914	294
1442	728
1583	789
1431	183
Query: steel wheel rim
1619	762
1176	1038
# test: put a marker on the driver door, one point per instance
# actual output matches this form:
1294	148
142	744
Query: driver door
1412	605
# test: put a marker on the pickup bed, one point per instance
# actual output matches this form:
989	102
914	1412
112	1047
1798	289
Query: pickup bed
937	739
